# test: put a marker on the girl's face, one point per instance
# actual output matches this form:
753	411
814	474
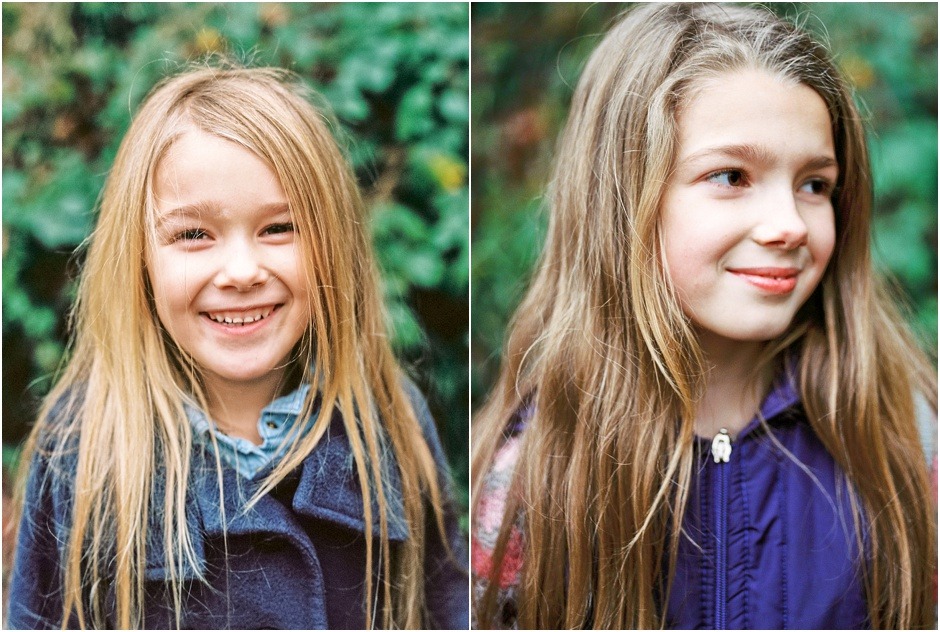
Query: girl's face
226	270
747	219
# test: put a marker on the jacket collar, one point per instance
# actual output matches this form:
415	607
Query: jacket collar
328	489
784	395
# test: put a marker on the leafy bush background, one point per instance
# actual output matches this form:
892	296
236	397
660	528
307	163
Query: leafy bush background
525	62
396	77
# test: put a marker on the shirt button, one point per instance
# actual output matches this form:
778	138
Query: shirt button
272	425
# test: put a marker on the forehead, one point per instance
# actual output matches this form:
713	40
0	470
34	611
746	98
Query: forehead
753	107
202	171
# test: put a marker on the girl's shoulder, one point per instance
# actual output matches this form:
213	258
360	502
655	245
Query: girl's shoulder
494	492
497	480
420	406
495	488
55	439
490	510
426	421
46	491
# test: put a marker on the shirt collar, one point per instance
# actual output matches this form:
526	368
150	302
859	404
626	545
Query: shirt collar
274	424
290	404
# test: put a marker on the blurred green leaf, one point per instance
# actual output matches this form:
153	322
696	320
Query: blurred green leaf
454	106
414	114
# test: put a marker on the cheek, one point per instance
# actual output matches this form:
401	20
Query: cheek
290	270
693	251
822	239
677	248
170	285
156	273
303	299
681	270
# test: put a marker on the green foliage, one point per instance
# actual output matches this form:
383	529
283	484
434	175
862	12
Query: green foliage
526	61
395	75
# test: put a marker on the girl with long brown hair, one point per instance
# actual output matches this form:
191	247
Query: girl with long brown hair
232	443
707	413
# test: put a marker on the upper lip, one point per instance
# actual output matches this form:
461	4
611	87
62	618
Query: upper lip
234	308
768	271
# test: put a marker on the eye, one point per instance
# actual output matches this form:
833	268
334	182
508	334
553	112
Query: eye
190	234
817	186
279	228
728	177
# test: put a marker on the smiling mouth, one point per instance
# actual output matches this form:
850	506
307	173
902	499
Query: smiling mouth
767	272
241	317
770	280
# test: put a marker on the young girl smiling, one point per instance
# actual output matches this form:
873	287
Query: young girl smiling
706	416
232	443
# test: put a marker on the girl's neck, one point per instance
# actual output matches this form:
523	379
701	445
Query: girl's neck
236	408
735	385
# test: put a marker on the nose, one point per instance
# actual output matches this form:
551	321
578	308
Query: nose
241	268
781	224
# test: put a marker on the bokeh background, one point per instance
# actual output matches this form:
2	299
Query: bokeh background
396	76
525	62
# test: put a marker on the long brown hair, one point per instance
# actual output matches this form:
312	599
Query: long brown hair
600	349
119	403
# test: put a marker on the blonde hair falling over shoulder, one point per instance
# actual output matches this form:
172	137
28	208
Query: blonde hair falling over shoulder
601	350
119	404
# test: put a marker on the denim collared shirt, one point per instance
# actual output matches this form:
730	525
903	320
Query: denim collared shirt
274	425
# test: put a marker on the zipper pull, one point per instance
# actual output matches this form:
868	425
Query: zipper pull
721	447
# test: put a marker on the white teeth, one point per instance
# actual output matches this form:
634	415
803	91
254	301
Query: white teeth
239	320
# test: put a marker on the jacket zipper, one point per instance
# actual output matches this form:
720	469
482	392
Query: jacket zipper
721	452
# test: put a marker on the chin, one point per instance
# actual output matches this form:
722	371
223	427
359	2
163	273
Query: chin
759	333
747	329
245	375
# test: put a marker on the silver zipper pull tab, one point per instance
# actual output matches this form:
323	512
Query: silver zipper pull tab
721	446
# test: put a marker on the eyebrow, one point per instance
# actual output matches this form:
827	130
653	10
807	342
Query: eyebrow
212	209
755	153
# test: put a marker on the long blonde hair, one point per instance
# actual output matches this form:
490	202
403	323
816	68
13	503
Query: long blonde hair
118	407
602	353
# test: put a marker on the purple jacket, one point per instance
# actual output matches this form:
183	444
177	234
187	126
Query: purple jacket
295	561
769	539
